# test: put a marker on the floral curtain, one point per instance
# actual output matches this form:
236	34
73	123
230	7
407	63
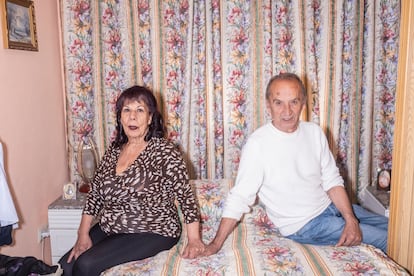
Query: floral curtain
208	63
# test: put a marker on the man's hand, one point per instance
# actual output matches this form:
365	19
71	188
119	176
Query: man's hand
225	228
211	249
351	235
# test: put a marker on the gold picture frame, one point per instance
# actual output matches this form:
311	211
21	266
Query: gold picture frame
19	25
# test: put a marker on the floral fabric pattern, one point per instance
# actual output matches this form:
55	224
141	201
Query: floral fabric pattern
208	63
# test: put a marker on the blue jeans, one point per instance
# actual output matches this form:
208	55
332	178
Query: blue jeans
326	229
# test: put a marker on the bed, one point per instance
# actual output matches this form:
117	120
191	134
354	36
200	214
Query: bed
256	248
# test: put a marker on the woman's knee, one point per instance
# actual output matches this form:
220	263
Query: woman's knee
83	266
67	267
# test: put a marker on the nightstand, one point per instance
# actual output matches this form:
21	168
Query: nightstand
64	219
376	200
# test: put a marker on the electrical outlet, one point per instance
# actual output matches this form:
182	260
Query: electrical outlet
42	233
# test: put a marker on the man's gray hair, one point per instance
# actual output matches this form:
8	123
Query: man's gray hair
287	76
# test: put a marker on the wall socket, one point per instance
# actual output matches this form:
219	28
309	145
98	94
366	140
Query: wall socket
42	233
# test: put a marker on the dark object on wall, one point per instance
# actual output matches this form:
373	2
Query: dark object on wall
384	180
6	235
23	266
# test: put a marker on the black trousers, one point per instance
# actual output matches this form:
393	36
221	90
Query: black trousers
108	251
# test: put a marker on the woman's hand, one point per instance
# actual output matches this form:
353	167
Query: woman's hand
82	244
195	245
84	241
193	249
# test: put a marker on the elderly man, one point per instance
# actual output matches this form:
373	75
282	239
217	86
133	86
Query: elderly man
288	164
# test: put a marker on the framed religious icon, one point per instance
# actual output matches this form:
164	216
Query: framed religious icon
384	180
19	25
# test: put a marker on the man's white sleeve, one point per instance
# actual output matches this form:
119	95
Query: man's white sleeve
248	181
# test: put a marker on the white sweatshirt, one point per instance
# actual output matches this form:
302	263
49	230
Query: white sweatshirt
290	172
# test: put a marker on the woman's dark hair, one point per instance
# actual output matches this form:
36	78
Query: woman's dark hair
139	94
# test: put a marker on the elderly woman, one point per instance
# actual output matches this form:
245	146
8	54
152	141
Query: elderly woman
133	194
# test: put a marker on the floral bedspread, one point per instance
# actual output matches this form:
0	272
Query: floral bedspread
256	248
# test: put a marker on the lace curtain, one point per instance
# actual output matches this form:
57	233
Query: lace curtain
208	63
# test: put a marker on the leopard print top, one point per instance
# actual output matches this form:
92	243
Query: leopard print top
143	197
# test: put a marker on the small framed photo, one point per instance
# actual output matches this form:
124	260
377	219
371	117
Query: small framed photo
384	180
19	25
69	191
